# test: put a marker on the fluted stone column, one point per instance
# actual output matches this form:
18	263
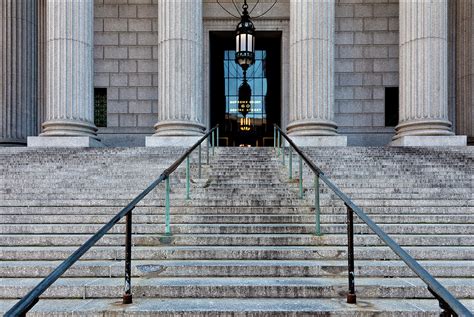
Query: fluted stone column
424	76
70	69
180	95
312	45
465	69
18	71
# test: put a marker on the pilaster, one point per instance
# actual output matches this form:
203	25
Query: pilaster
465	69
18	71
424	76
180	96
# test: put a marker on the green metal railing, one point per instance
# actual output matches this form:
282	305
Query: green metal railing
448	303
30	299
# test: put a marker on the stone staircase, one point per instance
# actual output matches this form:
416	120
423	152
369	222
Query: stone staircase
244	244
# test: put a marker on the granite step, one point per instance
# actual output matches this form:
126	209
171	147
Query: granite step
52	252
240	228
303	217
237	287
241	307
234	268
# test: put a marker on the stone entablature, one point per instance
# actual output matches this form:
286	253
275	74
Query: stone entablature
364	57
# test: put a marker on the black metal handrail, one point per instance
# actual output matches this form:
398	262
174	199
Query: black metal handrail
30	299
447	302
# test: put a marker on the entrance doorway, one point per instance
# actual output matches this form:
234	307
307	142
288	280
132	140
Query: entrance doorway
264	78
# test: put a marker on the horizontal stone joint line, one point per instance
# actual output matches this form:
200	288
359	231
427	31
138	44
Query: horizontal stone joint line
422	38
68	39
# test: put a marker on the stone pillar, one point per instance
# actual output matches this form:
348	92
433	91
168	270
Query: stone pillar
465	69
70	70
180	95
18	71
424	76
312	45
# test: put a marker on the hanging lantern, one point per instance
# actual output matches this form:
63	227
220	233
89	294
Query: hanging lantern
245	124
245	95
245	40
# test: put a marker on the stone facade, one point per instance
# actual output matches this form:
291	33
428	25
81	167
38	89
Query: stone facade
365	61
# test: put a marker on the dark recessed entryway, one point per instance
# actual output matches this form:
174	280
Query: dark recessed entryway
264	77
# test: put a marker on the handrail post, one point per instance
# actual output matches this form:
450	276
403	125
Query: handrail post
208	141
213	142
351	296
301	177
188	176
290	163
278	142
127	296
167	207
217	138
317	206
283	155
274	137
199	162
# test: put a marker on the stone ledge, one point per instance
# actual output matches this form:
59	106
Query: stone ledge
428	140
170	141
336	140
65	141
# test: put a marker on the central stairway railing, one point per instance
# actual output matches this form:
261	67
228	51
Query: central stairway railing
447	302
30	299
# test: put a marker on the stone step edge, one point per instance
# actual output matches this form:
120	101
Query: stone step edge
191	307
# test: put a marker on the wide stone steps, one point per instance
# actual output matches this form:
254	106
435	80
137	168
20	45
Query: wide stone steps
241	307
265	287
244	244
222	268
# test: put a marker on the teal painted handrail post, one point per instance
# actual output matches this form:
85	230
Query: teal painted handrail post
301	177
188	176
283	154
317	206
167	207
199	162
290	163
274	137
217	139
208	141
278	142
213	142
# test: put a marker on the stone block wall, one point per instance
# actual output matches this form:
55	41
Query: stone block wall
126	64
367	41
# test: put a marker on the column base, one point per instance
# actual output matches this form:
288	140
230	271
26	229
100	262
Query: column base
429	140
63	141
171	141
316	141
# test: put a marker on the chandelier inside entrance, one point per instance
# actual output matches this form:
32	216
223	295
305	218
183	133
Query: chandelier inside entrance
245	55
